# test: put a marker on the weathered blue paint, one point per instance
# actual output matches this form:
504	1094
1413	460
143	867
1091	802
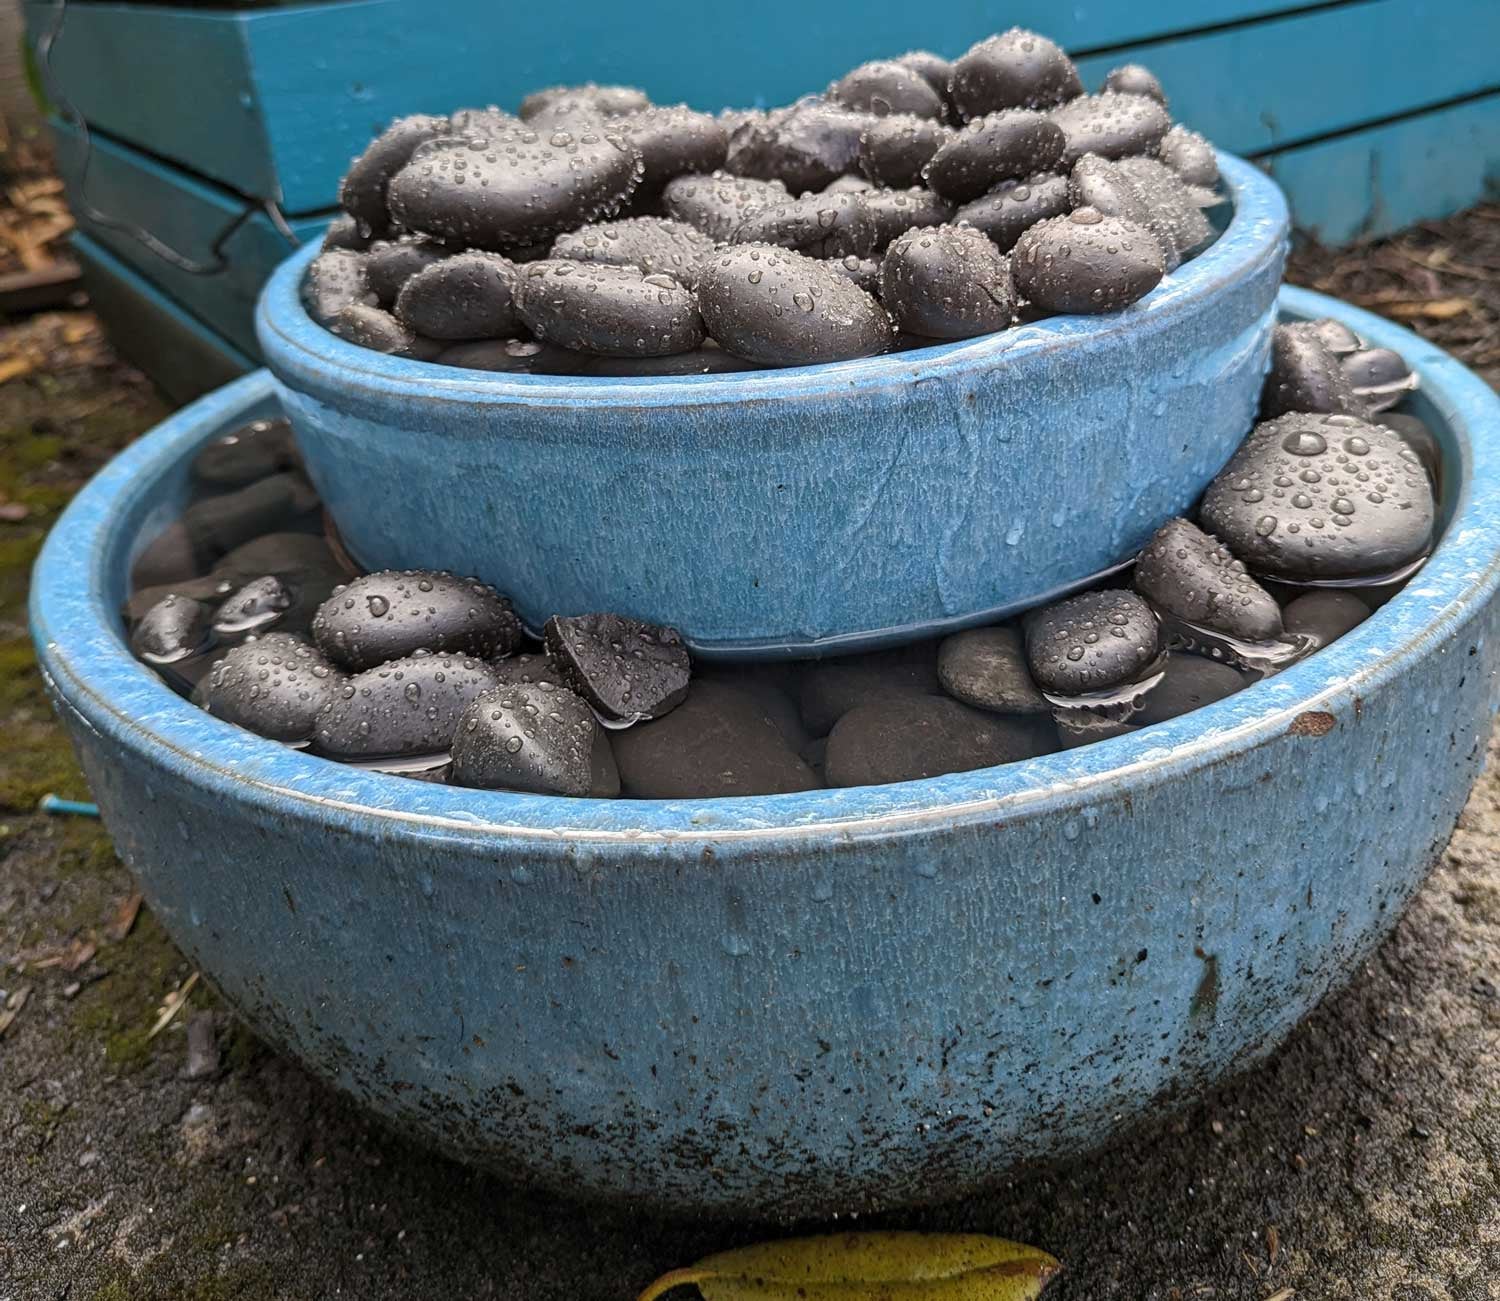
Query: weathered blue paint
810	1003
282	98
202	222
1377	181
182	355
774	511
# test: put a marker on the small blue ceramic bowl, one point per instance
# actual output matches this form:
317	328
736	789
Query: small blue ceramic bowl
802	1004
833	506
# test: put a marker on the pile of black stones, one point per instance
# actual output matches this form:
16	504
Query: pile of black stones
248	605
914	200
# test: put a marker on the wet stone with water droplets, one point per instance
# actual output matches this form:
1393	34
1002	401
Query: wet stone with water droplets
673	142
589	98
1133	79
1091	643
935	70
947	282
625	668
884	87
1187	573
1013	207
273	685
1016	69
258	604
1321	497
404	707
819	225
805	145
1007	145
608	310
173	629
894	212
1086	262
335	279
469	296
374	328
1189	155
779	308
986	668
1110	125
537	737
253	451
389	264
894	150
1379	377
393	613
653	245
362	192
716	204
1305	376
514	187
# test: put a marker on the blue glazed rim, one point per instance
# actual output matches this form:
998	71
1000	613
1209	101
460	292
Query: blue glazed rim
312	359
83	652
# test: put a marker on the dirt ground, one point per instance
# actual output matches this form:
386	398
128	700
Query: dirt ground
1362	1162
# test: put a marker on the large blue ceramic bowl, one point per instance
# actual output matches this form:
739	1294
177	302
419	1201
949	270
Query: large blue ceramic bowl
784	510
810	1003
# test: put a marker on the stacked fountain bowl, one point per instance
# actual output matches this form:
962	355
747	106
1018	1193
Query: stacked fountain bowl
950	351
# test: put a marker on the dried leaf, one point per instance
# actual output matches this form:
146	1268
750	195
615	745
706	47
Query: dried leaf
1436	309
120	924
12	1008
174	1003
17	367
870	1267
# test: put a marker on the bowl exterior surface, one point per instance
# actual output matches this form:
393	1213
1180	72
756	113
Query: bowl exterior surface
803	1004
769	512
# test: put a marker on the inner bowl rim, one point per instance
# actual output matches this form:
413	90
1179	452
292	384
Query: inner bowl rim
314	358
89	667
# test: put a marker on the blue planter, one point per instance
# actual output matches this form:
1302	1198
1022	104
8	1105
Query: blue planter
817	507
810	1003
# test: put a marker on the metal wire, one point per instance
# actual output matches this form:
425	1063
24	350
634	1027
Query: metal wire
218	260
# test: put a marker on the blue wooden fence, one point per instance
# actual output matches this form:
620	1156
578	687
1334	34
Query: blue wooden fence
1371	113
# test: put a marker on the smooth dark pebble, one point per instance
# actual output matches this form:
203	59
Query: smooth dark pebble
1189	155
345	232
1110	125
533	737
674	142
911	737
1189	683
173	629
362	192
222	522
273	685
374	328
253	451
395	613
515	356
894	212
1305	376
258	604
1324	615
389	264
1016	69
626	668
894	150
1380	377
1322	496
820	225
335	279
468	296
404	707
718	742
1091	643
653	245
780	308
936	71
861	271
1007	145
885	87
1013	207
1172	213
805	146
947	282
1415	433
831	688
1194	576
1337	337
706	359
514	187
608	310
1086	262
1133	79
716	204
606	101
526	667
986	668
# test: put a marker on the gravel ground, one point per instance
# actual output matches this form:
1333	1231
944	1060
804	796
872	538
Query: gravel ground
1361	1162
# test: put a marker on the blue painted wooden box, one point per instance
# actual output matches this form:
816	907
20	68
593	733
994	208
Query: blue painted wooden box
1371	114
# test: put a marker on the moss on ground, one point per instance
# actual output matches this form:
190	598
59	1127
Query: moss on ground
121	1009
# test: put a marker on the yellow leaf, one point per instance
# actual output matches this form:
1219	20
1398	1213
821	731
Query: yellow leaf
1435	309
870	1267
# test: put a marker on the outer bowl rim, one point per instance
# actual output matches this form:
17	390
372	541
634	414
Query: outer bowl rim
311	358
90	670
